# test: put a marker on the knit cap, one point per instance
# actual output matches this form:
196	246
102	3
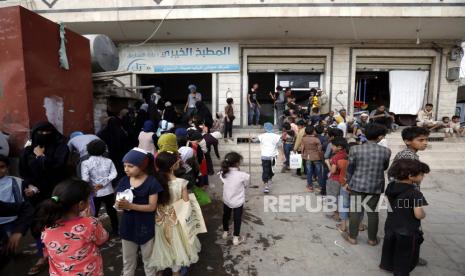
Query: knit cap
137	157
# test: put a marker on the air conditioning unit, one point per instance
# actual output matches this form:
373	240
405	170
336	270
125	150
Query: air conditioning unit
453	73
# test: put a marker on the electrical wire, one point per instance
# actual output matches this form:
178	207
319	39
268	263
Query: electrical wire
157	27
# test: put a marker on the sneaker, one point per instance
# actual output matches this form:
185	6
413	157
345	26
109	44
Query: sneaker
266	189
238	240
225	235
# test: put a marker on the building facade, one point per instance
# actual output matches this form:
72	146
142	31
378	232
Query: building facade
350	49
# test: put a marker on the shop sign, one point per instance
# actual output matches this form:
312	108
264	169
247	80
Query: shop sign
180	58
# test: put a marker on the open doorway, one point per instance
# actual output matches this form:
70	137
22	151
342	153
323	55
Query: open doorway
371	90
174	87
266	82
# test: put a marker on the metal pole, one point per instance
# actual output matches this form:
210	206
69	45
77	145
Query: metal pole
250	141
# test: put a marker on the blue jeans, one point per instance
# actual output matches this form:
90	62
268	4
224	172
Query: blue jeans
344	202
254	114
314	168
287	152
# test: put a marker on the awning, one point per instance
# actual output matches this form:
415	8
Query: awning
393	63
286	64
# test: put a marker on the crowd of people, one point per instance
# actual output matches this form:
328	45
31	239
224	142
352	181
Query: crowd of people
142	162
349	169
138	165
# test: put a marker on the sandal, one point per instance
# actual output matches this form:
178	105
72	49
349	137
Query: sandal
346	237
37	268
309	189
362	227
340	229
334	217
373	243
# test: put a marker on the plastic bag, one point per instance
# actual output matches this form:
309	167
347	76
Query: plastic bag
202	197
295	160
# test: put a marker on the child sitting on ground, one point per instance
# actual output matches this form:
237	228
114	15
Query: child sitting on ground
416	139
235	183
71	242
99	172
455	126
446	127
403	235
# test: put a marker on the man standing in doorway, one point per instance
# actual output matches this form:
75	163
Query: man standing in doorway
254	105
192	99
279	99
382	117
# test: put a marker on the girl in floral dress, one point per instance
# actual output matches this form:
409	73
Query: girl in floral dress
71	241
171	248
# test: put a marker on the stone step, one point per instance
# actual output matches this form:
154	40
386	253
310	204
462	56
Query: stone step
453	167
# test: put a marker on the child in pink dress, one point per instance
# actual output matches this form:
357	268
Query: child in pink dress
71	242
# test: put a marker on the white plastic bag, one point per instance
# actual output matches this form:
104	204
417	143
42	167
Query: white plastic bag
295	160
126	194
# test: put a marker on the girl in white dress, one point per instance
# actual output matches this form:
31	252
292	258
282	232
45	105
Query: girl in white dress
171	248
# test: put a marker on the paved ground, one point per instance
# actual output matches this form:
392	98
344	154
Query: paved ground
303	243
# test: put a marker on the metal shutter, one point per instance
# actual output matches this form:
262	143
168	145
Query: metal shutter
393	63
286	64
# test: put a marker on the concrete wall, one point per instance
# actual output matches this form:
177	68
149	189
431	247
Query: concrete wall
35	87
230	82
110	10
339	92
448	89
14	117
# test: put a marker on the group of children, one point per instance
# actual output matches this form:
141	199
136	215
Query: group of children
349	170
144	197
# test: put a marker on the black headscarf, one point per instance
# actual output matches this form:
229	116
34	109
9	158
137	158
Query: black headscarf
47	171
204	114
117	141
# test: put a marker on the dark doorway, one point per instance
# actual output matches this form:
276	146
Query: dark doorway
266	82
371	90
300	85
174	87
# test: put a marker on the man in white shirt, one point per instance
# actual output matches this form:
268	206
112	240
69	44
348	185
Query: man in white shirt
269	144
192	99
78	143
